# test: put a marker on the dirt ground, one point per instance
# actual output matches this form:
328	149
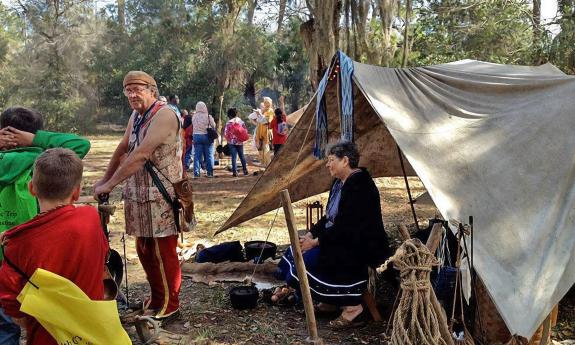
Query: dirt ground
207	315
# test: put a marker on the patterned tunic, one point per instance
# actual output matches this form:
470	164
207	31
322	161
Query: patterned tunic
147	213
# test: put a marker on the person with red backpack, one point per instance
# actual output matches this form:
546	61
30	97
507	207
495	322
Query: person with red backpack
279	127
236	134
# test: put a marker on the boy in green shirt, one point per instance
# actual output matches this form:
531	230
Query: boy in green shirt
21	142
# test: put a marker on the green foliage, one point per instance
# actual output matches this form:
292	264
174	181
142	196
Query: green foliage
495	30
562	51
48	67
292	65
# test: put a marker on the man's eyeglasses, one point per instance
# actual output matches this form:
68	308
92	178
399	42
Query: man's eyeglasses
134	90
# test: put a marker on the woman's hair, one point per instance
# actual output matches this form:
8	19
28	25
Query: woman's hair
268	101
279	115
345	149
232	112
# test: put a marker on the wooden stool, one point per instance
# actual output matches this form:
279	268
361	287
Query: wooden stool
371	305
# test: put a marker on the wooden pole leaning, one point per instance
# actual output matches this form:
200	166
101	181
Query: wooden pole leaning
301	271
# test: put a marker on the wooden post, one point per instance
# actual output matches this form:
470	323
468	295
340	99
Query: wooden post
434	237
300	266
403	232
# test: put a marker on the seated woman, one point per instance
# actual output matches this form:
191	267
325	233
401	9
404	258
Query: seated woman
344	243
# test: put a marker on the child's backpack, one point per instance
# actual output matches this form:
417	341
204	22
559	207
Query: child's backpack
282	128
239	132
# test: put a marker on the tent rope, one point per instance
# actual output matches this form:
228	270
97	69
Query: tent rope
289	180
407	187
416	321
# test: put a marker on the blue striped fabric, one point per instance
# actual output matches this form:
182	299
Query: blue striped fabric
346	91
321	119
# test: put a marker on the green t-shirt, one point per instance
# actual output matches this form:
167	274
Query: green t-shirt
17	205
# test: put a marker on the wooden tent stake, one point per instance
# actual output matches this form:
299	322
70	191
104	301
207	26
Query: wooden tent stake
300	266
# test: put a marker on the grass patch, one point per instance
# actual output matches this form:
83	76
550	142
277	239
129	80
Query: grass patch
220	298
204	334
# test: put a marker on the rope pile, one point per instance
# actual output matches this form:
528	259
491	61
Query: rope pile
416	320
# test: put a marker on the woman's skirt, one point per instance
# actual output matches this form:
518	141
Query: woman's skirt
326	289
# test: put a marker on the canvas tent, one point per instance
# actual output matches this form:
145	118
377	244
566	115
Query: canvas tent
488	140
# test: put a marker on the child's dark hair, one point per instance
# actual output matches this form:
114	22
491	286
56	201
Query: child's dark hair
21	118
232	112
279	115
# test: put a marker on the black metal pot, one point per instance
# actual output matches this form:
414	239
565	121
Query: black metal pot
116	266
244	297
254	250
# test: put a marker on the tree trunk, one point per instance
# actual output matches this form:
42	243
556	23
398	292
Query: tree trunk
346	10
357	52
306	31
537	33
252	4
386	13
406	33
361	30
122	15
233	8
335	27
294	98
324	33
324	30
250	91
281	15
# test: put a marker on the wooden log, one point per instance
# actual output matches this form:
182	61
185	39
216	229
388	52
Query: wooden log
300	266
443	328
369	301
267	267
403	232
432	244
434	237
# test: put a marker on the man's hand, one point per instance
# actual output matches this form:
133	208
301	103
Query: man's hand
21	138
20	321
307	243
7	140
98	184
101	189
281	100
2	240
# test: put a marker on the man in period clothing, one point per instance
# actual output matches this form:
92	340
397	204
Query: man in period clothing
151	139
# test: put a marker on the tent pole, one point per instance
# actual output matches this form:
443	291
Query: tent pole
300	266
407	187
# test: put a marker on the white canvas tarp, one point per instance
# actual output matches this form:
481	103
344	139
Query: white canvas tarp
490	141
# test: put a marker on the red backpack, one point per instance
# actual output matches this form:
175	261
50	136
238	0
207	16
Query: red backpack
239	132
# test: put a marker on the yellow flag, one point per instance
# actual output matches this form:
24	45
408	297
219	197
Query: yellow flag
68	314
